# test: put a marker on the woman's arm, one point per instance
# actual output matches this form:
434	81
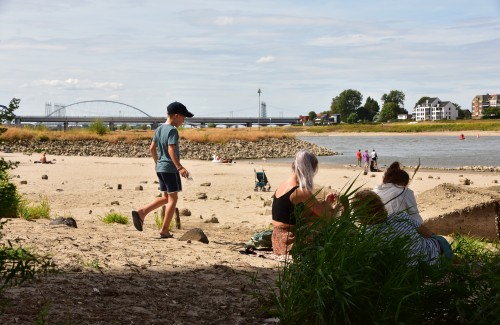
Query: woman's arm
316	207
411	205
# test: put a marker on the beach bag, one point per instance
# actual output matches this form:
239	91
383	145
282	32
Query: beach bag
261	240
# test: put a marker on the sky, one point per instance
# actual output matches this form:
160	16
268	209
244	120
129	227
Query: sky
214	55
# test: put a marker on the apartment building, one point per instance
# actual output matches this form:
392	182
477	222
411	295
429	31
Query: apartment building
434	109
481	102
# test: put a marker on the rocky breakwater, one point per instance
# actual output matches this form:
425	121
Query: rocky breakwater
233	149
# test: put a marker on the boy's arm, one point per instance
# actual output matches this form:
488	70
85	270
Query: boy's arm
154	152
175	160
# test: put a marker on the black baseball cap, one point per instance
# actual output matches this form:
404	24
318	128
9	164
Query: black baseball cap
178	108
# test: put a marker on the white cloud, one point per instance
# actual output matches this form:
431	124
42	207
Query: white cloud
224	21
74	84
266	59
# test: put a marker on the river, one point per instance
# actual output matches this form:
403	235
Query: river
433	151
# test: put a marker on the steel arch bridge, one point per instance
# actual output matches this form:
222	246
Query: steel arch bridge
54	113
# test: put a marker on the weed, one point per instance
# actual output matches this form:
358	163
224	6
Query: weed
115	217
40	210
92	264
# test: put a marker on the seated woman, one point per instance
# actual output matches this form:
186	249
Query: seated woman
395	193
424	245
297	191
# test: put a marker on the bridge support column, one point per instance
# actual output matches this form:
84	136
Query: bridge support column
111	126
65	125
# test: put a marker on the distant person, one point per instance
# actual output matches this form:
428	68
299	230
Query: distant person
359	156
165	152
423	244
366	160
462	136
297	191
43	160
374	159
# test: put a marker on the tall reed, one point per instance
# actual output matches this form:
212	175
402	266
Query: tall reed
342	274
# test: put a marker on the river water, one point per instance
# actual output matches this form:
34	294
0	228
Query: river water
433	151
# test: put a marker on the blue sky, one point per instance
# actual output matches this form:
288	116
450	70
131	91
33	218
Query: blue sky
213	55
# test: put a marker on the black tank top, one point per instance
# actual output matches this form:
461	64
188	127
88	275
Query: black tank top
283	208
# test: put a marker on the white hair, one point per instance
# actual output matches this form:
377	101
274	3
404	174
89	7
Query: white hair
305	167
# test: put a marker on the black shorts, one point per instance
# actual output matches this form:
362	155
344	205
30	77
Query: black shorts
170	182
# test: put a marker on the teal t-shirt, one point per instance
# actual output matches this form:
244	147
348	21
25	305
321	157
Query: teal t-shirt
166	134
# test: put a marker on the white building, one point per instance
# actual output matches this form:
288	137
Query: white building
434	109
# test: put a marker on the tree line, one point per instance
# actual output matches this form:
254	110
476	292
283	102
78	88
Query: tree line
349	105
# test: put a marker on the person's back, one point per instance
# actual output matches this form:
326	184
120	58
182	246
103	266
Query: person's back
402	225
372	214
395	194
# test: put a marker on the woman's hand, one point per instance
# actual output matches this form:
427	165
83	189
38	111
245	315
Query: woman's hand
331	198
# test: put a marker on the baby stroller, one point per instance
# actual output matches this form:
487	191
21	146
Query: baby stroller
261	181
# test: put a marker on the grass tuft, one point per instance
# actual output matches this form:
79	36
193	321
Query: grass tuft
115	217
32	211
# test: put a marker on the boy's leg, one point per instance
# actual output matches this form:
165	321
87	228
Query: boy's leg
169	212
155	204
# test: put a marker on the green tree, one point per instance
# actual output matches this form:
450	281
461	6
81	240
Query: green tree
99	127
345	103
491	113
352	118
7	113
394	96
389	112
312	115
422	101
369	110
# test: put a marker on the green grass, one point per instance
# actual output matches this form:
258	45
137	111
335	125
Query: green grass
342	274
115	217
32	211
92	264
159	221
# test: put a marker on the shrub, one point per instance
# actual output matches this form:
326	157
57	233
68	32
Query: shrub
19	264
115	217
99	127
9	198
341	274
31	211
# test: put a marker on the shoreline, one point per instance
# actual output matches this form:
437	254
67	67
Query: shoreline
467	134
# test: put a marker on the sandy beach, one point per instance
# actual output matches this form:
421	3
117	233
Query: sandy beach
113	273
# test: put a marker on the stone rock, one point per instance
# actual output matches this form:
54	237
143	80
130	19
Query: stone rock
115	203
138	188
212	220
201	196
45	177
195	234
24	182
206	184
465	181
70	222
119	186
268	203
184	212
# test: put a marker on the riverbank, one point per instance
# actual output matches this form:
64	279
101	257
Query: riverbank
113	273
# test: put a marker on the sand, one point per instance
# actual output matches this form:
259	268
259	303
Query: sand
115	273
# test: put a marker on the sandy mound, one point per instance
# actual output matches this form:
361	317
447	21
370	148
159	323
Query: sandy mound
449	208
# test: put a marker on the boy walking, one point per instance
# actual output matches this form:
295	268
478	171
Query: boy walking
165	152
